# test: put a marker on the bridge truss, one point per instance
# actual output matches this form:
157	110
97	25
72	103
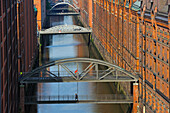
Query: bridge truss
95	71
62	9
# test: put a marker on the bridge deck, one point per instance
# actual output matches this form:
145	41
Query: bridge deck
71	79
81	102
65	29
93	99
63	14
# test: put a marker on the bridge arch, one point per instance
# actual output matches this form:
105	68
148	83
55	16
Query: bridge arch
64	3
113	73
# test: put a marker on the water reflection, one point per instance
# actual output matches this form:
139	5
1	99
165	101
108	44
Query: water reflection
69	46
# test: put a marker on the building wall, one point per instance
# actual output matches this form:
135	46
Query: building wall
17	39
37	4
112	31
136	38
154	55
85	11
27	34
8	56
41	8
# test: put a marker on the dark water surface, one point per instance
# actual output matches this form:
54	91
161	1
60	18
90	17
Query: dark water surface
71	46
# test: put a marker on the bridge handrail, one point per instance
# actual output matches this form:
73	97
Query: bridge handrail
92	72
99	97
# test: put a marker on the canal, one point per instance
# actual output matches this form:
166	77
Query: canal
71	46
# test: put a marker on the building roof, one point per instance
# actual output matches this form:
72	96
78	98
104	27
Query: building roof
136	5
162	5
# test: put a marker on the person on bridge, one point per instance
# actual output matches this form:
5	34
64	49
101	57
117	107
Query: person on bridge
76	97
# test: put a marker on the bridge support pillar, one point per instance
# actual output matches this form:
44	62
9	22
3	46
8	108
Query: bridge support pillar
22	100
135	98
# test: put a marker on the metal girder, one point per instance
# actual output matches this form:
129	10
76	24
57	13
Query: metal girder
70	79
87	70
70	72
60	9
106	74
50	73
63	3
113	73
97	71
52	11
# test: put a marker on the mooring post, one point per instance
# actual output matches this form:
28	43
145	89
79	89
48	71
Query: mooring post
22	99
135	98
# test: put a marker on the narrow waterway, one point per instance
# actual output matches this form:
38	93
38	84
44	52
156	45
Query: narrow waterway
71	46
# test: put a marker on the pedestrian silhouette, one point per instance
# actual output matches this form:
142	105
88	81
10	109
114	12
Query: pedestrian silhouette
76	97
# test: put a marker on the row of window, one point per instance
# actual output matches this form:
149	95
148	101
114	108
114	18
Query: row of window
152	99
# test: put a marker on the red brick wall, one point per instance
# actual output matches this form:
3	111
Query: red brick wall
135	41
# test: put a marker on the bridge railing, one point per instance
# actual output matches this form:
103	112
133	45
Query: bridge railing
54	74
93	72
97	97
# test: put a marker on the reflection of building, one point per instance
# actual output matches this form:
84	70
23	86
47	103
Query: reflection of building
134	35
41	12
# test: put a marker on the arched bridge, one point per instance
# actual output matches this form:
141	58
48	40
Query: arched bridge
95	71
65	29
63	9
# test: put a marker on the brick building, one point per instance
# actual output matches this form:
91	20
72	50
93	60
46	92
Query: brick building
41	14
134	35
8	56
154	32
27	35
18	44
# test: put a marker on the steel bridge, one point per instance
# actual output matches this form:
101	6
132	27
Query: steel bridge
62	9
90	73
92	99
66	29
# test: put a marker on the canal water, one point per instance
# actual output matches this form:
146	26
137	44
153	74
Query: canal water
71	46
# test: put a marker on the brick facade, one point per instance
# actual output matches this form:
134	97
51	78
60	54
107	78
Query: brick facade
17	52
134	35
